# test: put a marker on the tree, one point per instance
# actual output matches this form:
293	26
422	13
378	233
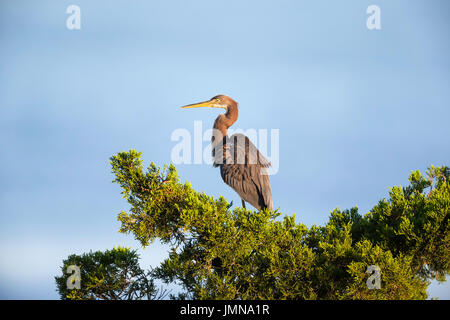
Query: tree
111	275
219	253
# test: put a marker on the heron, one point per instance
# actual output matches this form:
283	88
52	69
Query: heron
242	166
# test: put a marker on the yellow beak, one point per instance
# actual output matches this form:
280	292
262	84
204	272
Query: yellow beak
208	103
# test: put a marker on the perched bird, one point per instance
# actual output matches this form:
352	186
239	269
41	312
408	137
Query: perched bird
241	164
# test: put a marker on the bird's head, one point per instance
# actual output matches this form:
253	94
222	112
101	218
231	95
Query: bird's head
219	101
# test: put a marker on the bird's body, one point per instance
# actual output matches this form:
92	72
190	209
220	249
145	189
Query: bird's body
249	179
242	166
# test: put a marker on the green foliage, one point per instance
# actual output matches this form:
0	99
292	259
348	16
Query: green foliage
222	254
111	275
415	222
219	253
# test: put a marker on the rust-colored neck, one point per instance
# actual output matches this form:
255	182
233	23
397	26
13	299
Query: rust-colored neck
226	120
221	125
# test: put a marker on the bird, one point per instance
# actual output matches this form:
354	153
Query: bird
242	166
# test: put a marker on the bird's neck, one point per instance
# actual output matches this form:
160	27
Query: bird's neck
218	139
226	120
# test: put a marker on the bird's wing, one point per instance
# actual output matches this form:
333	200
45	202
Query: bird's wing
245	181
245	170
265	190
243	151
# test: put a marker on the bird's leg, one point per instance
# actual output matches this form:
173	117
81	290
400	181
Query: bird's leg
243	204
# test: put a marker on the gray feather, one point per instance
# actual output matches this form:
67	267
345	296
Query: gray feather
244	169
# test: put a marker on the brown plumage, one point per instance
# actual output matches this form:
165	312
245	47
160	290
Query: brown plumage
241	164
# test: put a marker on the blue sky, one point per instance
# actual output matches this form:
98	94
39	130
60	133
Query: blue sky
357	110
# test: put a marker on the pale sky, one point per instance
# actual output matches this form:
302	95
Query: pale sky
357	110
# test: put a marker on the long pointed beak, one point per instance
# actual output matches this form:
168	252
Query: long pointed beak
208	103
